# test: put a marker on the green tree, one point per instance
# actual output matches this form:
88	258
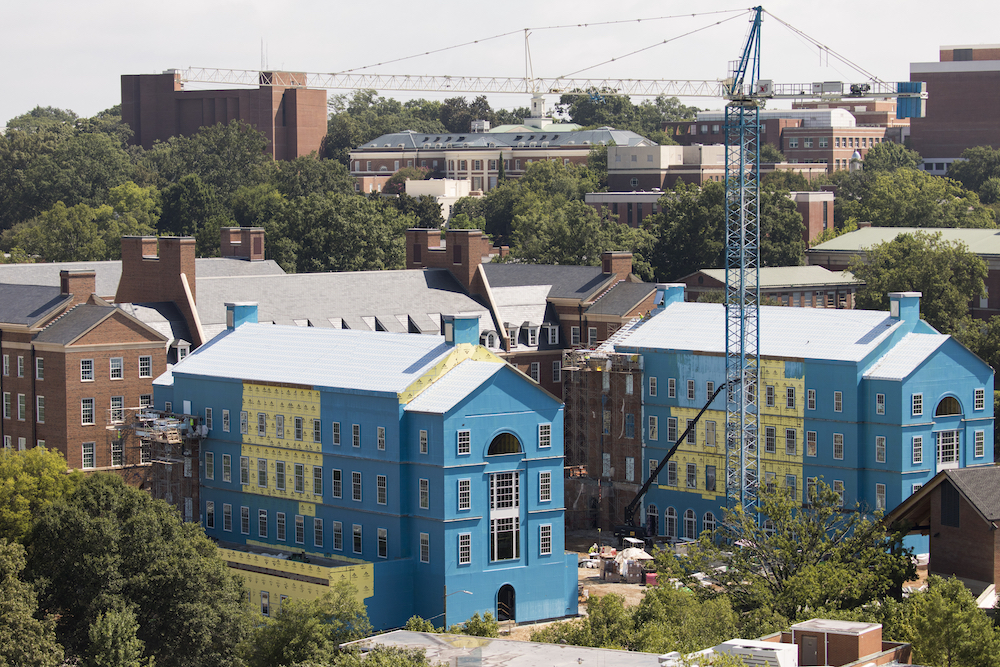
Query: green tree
107	546
419	624
982	337
950	630
769	154
30	481
113	641
43	118
425	208
597	162
947	274
786	179
669	619
889	156
335	232
478	626
310	630
397	182
977	166
383	656
362	116
309	174
192	207
800	561
24	639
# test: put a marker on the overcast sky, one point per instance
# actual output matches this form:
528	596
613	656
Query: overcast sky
71	54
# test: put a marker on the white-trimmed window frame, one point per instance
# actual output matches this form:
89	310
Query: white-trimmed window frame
545	486
464	494
464	438
545	539
880	404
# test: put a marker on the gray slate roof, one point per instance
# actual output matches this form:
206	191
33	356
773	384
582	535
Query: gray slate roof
621	299
164	317
410	140
356	299
567	282
25	304
76	321
981	485
109	273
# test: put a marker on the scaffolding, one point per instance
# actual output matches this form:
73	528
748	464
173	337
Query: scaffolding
603	435
160	452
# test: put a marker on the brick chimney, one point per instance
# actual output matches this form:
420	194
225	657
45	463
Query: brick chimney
81	283
244	242
161	270
616	262
418	242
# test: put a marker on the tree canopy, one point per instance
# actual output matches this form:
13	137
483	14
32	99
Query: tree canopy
30	481
24	639
601	108
947	274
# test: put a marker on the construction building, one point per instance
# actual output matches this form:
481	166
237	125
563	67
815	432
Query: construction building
433	484
292	117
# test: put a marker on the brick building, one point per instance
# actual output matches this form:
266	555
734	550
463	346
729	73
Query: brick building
72	365
799	286
963	91
292	117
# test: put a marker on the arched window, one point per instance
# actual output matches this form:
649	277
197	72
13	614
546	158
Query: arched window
505	443
671	523
652	520
947	407
690	525
708	522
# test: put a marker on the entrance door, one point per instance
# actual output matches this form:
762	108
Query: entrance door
506	607
809	650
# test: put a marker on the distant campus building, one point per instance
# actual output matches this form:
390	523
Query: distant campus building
423	468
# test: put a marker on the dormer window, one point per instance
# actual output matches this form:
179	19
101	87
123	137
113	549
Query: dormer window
533	336
512	335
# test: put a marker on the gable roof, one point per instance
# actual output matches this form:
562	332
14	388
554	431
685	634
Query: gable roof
442	396
162	316
554	137
979	485
621	299
905	356
336	358
26	304
808	333
80	319
358	299
108	273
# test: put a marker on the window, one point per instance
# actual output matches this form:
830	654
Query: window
671	429
824	142
553	335
381	496
652	387
145	367
918	449
88	455
915	487
300	529
880	404
811	399
692	433
671	388
146	401
533	370
838	446
40	409
262	473
243	422
574	335
880	449
383	543
653	427
20	367
22	407
880	496
262	523
318	433
630	425
425	548
208	418
245	470
793	142
356	486
545	539
692	476
770	446
336	433
338	535
425	494
317	481
116	368
709	390
838	401
544	486
6	364
355	435
811	443
380	436
838	487
261	425
544	435
227	468
464	548
209	465
40	368
557	371
606	421
318	532
532	336
299	477
670	521
980	400
464	494
225	420
690	390
592	335
86	410
917	405
337	486
672	473
298	428
769	396
790	397
791	440
86	370
980	444
6	405
227	517
210	514
265	606
245	520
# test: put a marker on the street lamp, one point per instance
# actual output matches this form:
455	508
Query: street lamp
444	600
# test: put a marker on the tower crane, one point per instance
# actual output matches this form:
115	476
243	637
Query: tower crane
746	93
